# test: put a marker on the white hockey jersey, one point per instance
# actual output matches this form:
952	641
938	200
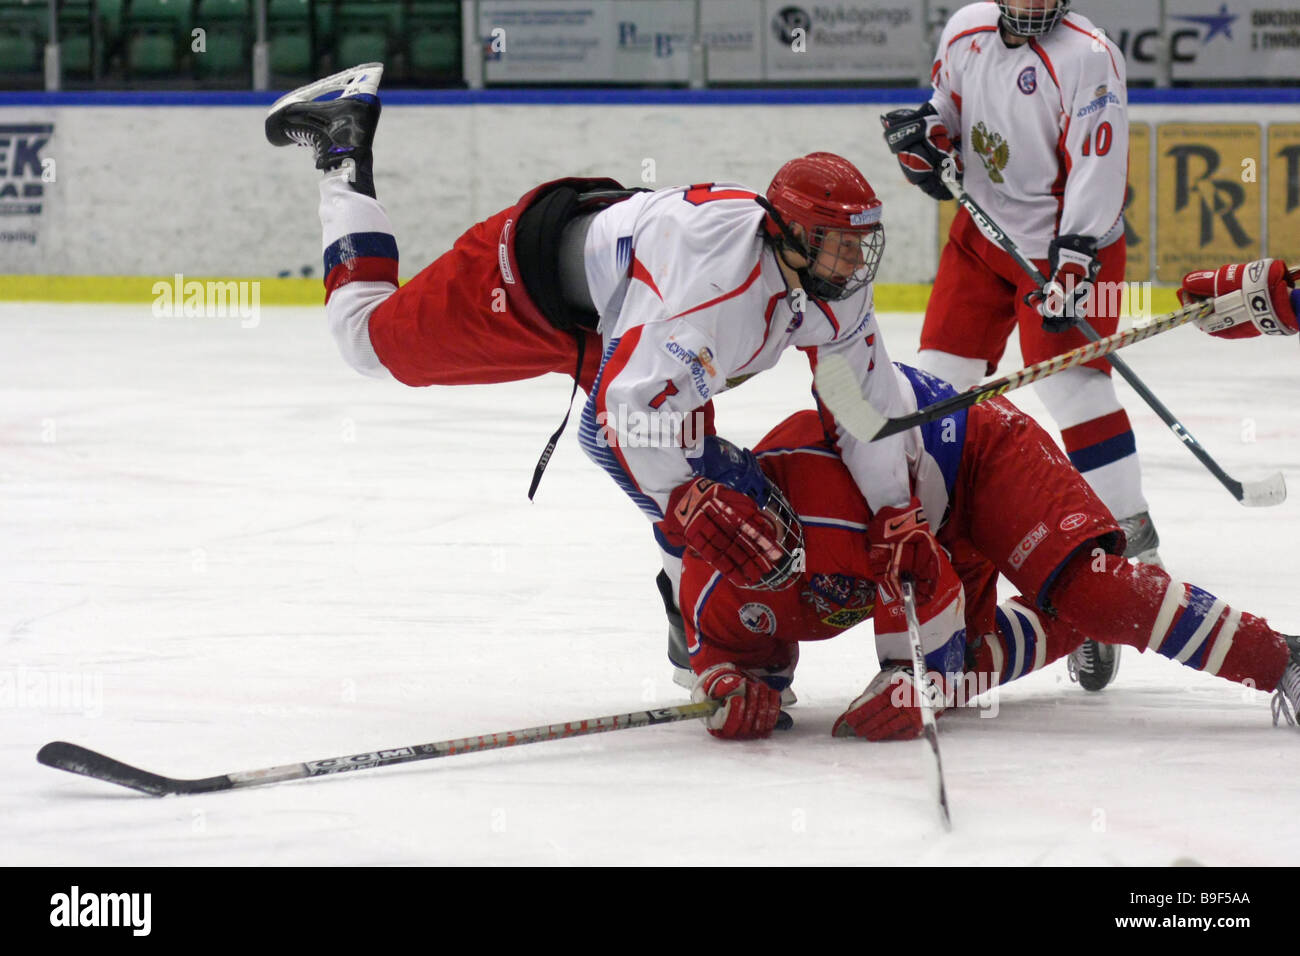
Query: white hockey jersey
1043	127
692	303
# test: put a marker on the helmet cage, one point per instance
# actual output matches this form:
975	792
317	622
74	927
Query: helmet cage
842	267
788	549
1032	23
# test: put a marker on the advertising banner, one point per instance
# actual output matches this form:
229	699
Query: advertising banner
1208	196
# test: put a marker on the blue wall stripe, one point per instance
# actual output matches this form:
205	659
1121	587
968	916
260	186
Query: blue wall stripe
601	96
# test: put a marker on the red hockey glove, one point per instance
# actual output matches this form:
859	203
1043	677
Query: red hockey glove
750	708
901	543
1068	294
728	530
922	143
889	709
1265	305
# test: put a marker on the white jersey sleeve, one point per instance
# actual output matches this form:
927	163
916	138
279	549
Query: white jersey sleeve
945	78
880	468
1095	138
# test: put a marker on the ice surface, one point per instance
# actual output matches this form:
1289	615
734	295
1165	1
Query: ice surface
232	552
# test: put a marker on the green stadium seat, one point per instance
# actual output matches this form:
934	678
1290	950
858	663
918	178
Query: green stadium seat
155	36
289	33
365	31
24	28
81	39
433	41
360	46
228	40
291	54
152	54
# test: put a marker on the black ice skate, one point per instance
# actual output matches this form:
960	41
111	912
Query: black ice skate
1093	665
678	656
336	117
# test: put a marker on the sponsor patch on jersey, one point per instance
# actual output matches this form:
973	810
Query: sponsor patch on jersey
1027	81
1027	545
705	357
847	617
1103	100
862	324
503	252
795	322
623	253
758	618
1076	520
692	360
994	151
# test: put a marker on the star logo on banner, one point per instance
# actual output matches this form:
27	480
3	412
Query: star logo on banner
1214	23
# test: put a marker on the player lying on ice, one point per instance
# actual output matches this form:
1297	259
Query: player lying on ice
1008	501
653	301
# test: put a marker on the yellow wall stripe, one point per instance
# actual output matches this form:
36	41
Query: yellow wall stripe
890	297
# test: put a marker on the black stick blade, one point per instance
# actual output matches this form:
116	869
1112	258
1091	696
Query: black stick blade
77	759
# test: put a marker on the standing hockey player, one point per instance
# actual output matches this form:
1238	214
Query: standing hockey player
1036	98
1015	506
653	301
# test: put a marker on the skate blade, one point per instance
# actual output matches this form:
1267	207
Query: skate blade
354	81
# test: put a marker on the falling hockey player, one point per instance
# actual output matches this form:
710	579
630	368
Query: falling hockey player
1030	100
1005	501
653	301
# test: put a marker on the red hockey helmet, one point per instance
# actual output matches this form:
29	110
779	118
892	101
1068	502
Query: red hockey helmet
840	217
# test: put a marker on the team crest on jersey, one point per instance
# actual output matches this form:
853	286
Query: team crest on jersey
994	151
758	618
1027	80
841	600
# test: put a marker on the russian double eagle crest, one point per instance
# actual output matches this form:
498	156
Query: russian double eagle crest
994	151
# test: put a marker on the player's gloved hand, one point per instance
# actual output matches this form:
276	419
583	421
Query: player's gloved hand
1266	305
728	529
889	709
1068	293
750	708
901	543
921	142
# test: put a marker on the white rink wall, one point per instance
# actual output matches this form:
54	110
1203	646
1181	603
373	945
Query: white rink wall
155	190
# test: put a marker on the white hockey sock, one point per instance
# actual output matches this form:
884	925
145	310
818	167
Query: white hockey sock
957	370
360	268
1097	436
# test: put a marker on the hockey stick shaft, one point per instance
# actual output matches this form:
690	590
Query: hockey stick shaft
878	426
929	729
996	235
77	759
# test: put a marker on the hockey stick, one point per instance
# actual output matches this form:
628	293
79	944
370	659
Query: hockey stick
77	759
838	386
923	690
1262	493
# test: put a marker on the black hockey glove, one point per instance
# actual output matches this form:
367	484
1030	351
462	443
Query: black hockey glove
1067	297
922	143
